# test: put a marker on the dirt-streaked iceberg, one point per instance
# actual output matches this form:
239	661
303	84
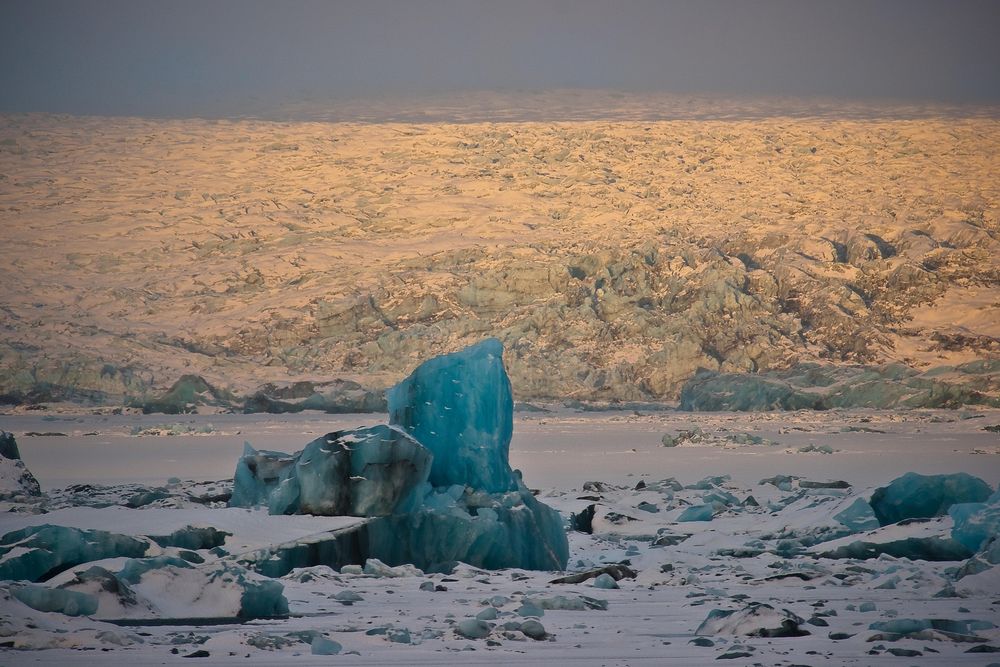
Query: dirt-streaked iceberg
437	480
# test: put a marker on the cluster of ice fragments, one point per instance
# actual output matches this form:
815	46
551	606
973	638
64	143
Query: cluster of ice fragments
436	482
113	576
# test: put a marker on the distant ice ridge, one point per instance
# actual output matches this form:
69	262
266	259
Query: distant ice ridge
437	480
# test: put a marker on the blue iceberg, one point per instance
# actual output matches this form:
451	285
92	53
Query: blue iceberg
915	496
436	481
976	523
859	517
457	523
461	408
258	475
697	513
362	472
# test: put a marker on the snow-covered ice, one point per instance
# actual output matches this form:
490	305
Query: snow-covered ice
774	515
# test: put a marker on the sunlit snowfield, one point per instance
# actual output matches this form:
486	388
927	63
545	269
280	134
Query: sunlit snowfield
651	619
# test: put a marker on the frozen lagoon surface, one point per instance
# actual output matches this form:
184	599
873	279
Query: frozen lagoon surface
651	619
559	449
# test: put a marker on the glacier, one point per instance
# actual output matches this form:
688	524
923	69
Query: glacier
436	481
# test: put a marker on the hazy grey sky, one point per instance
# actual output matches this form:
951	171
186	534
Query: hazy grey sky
202	56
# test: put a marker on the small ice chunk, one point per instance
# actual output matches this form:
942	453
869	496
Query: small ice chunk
697	513
859	517
322	646
533	629
473	628
375	567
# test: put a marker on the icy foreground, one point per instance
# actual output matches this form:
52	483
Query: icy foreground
771	569
438	485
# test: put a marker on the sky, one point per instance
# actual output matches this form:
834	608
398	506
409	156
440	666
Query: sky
205	57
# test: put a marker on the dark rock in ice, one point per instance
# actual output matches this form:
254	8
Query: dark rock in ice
144	498
925	496
755	620
984	648
15	478
904	652
584	521
668	540
192	537
838	484
334	397
914	548
616	571
8	446
533	629
185	395
596	487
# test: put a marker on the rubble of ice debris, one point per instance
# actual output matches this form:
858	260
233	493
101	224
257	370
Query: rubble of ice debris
387	543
